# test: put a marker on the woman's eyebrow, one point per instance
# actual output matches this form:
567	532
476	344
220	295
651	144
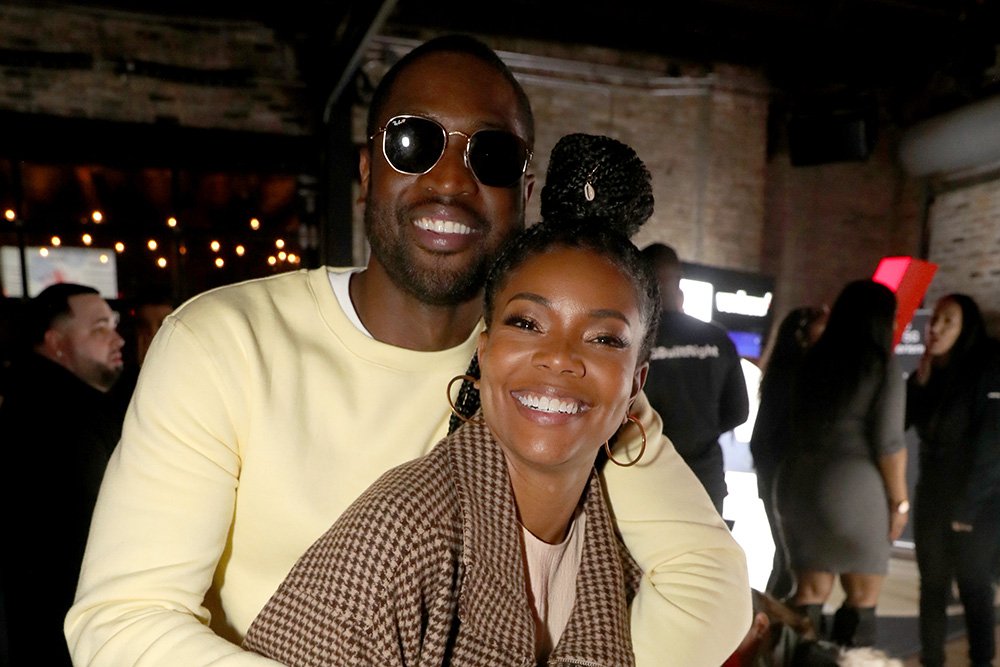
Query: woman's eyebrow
597	313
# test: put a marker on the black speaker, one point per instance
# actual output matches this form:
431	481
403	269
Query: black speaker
841	133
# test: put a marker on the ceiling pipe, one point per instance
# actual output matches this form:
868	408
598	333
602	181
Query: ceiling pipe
966	138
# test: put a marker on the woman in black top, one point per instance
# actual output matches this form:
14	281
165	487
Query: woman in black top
768	444
953	400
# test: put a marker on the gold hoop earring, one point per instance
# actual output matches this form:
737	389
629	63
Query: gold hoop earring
642	449
465	378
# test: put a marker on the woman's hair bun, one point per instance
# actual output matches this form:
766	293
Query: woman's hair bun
594	176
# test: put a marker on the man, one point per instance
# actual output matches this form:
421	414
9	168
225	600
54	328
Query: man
264	409
58	426
147	317
695	380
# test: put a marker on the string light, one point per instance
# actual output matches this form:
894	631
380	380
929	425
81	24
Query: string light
56	241
103	258
282	255
279	243
44	252
219	262
87	239
97	217
10	214
254	224
152	244
215	245
293	258
162	262
272	260
171	222
240	250
119	247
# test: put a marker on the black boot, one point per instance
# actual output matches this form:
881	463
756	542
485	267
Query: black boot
854	626
814	612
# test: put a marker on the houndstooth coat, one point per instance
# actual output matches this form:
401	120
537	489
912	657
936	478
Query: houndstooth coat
426	569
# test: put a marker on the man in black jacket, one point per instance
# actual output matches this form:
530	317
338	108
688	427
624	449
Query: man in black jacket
695	379
58	426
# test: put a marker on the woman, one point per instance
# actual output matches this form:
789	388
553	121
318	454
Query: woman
497	547
797	332
841	489
953	400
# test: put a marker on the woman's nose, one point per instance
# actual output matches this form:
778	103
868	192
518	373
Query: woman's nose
560	357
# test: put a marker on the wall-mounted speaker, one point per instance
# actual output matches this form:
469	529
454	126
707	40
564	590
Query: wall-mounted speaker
830	132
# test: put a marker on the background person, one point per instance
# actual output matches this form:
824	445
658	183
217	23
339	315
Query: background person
953	401
696	383
147	315
799	329
58	426
263	410
841	488
507	513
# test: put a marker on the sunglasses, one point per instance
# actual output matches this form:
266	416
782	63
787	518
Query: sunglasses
414	144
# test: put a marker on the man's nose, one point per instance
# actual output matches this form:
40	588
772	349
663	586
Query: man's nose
451	175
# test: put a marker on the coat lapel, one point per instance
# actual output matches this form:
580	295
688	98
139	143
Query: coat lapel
494	605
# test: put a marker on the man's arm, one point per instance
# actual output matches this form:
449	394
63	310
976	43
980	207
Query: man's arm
734	404
162	519
694	605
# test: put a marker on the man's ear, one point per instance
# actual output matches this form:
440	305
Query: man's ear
638	380
364	172
529	187
53	344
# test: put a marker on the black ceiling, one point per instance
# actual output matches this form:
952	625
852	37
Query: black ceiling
921	57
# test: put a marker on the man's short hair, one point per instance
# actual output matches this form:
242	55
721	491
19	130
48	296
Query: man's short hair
659	254
49	306
456	43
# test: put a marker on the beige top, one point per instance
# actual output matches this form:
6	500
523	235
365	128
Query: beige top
552	572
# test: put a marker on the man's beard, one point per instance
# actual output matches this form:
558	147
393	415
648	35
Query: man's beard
107	376
433	285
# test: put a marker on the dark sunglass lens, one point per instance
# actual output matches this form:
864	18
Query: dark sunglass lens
497	157
413	145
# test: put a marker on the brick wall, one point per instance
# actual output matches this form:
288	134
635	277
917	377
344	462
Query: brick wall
721	199
120	66
964	240
830	224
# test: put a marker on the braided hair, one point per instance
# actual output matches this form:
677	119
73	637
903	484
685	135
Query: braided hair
597	194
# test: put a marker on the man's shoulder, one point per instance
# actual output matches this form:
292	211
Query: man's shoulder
251	300
684	337
247	290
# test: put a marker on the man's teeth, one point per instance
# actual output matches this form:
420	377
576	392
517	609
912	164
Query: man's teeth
546	404
442	226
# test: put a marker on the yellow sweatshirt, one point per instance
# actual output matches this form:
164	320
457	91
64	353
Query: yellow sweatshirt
260	414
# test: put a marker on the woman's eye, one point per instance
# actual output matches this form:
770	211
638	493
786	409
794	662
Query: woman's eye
611	341
521	322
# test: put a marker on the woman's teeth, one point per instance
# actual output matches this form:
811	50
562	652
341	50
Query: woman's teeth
546	404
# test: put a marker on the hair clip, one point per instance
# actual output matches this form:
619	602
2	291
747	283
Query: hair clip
588	189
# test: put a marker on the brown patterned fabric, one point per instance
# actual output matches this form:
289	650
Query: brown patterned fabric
425	568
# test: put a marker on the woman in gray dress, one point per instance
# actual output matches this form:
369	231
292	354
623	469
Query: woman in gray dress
841	492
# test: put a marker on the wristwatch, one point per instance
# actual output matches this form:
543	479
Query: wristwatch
902	507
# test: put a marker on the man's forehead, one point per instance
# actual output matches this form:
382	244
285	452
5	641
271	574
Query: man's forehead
92	306
456	86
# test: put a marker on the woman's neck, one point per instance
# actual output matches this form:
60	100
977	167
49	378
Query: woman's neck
546	501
